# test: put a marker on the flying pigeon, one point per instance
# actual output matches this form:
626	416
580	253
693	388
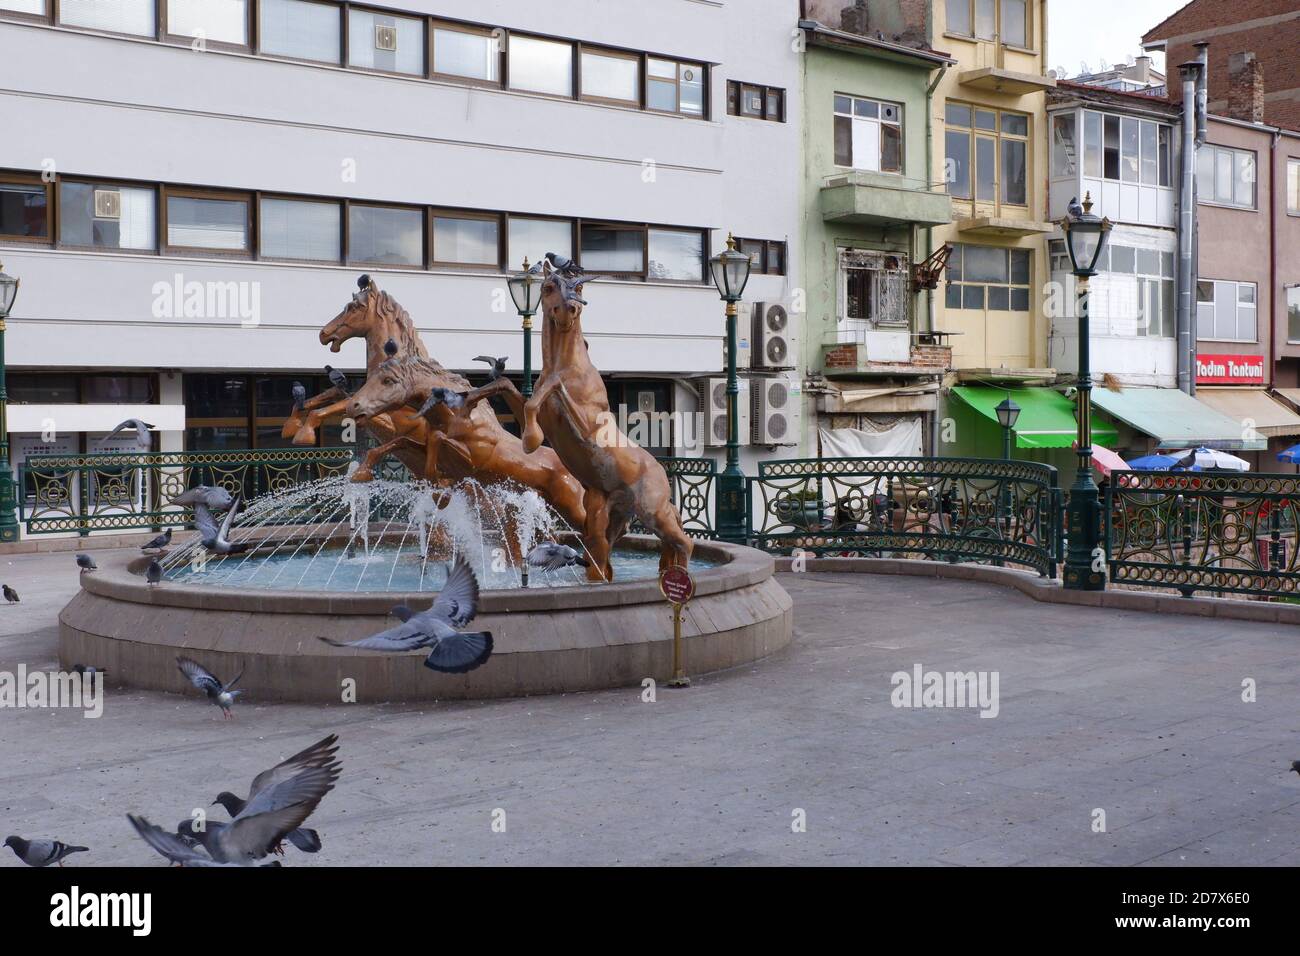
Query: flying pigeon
220	694
217	540
178	848
444	396
1074	209
86	563
41	852
337	379
143	443
551	556
498	365
154	573
299	396
158	543
450	651
10	594
319	754
390	348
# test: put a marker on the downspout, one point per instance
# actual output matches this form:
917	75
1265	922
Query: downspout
929	231
1185	323
1272	258
1202	134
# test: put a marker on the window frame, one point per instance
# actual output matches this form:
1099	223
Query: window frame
706	82
433	24
506	217
582	49
92	181
853	117
168	191
426	45
47	17
340	63
350	260
959	249
16	178
1236	301
764	266
974	37
1292	292
1293	185
738	87
1142	122
56	19
508	80
175	39
997	134
641	228
449	212
1215	150
319	200
705	235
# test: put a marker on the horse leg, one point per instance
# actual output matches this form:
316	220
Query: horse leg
531	430
594	535
294	422
376	455
502	387
306	435
675	545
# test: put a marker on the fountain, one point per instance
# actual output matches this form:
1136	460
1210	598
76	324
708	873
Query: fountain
330	558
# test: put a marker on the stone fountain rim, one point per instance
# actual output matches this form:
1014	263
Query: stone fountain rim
121	577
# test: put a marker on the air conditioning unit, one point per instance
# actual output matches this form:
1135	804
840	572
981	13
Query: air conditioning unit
714	402
774	412
108	204
770	346
385	37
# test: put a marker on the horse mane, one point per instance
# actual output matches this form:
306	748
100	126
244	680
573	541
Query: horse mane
399	321
413	363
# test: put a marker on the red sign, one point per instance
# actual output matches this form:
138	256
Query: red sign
677	585
1229	370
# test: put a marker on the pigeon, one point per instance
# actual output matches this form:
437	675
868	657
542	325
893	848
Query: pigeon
1074	209
299	396
444	396
551	556
10	594
1295	765
158	543
154	573
220	694
41	852
337	379
450	651
363	282
88	670
143	443
212	497
86	563
319	754
180	847
390	348
498	365
216	539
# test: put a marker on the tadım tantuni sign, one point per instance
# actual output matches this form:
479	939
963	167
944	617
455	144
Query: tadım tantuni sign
1230	370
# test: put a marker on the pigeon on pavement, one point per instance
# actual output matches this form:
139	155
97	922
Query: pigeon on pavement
551	556
174	846
450	651
10	594
1295	765
498	365
41	852
220	694
154	573
158	543
86	563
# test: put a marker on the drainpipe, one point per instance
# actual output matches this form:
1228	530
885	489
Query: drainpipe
1272	258
929	232
1186	318
1202	133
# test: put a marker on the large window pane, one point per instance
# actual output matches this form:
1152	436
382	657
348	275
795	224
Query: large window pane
986	151
1150	155
292	229
24	6
305	31
116	16
541	66
1013	172
662	86
207	223
1092	144
690	89
534	238
468	241
1020	266
218	21
1225	310
611	77
609	249
1167	308
1205	174
23	211
891	148
1293	186
1165	158
1129	139
985	19
1110	167
1293	314
1223	176
1244	179
127	223
844	141
958	165
385	235
382	41
959	17
984	264
1014	30
676	254
1064	152
474	56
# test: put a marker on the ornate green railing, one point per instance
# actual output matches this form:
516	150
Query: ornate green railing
1204	531
951	509
130	491
692	481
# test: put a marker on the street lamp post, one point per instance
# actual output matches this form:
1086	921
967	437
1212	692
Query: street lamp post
526	290
1085	238
730	271
1008	412
8	493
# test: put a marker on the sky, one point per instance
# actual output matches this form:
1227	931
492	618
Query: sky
1091	31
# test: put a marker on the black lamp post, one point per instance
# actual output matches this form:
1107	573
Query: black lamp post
526	290
1085	237
8	493
1008	412
730	271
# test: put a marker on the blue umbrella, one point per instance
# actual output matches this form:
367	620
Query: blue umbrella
1153	463
1291	454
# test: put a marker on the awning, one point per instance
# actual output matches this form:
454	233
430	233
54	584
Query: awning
1046	416
1175	419
1270	417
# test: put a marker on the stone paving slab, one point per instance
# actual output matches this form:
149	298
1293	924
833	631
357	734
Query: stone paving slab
1134	713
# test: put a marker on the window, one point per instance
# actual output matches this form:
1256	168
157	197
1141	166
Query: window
768	255
1064	154
989	19
301	29
759	102
1293	314
216	222
673	87
541	66
1293	187
974	140
34	7
986	277
1225	310
612	77
385	235
467	239
215	21
1127	149
385	42
1225	177
868	134
1015	23
872	292
612	248
117	390
676	254
301	229
135	17
107	216
534	238
24	208
466	53
1136	296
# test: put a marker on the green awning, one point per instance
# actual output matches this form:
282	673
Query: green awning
1176	420
1046	416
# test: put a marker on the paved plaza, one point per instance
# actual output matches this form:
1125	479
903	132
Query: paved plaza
1133	714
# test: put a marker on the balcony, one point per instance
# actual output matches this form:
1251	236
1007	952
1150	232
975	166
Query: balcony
878	199
1003	227
993	79
866	350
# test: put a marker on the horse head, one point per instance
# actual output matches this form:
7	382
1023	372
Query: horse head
376	316
562	299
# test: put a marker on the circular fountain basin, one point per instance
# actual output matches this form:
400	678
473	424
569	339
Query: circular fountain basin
548	639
